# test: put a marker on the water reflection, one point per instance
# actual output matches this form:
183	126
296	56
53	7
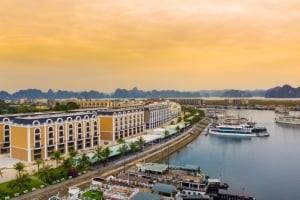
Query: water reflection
225	140
266	167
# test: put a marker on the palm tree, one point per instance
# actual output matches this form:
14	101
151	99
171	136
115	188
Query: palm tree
177	129
67	164
121	141
38	162
19	167
133	146
56	155
179	119
73	153
21	183
105	154
166	133
84	162
98	153
141	142
45	173
122	149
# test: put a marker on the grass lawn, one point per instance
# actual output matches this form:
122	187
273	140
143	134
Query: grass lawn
6	191
93	194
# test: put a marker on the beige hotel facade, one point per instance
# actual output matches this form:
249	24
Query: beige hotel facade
37	135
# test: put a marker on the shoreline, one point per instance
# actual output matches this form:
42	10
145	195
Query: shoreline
155	154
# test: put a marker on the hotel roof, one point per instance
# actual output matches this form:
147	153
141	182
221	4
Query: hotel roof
154	167
160	187
48	117
146	195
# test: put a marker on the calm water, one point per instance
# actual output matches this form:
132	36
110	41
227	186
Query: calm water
267	168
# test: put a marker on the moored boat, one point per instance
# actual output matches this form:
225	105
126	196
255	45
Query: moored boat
288	119
241	130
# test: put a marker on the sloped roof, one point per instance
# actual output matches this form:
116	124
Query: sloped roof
146	195
160	187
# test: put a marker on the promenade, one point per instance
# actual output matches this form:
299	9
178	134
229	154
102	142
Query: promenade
151	153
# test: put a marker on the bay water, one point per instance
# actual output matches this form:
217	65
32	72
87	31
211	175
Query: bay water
266	168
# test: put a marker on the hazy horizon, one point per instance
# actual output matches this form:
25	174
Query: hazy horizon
187	45
108	92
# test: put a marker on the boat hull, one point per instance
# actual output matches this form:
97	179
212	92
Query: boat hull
243	135
285	122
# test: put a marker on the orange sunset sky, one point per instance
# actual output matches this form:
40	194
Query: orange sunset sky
160	44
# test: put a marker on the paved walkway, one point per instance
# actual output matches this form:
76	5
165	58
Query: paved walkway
111	167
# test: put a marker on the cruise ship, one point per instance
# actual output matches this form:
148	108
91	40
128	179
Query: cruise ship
240	130
288	119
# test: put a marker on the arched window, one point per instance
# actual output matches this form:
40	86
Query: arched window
50	136
79	130
6	133
37	138
61	134
87	129
35	123
5	120
71	132
49	121
95	128
78	118
6	130
59	120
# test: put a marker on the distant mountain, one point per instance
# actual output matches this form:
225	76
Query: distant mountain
124	93
236	93
286	91
4	95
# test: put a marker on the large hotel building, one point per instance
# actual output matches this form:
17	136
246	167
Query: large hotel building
28	137
31	136
159	113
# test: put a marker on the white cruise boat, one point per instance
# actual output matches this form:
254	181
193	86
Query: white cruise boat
241	130
288	119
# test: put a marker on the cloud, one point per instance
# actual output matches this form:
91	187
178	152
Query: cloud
129	37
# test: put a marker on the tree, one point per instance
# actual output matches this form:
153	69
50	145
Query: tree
67	164
133	146
122	149
179	119
38	162
166	133
21	183
56	155
19	167
177	129
98	153
84	162
141	142
45	174
105	154
121	141
73	153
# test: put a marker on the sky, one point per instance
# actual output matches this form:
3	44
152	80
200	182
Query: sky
161	44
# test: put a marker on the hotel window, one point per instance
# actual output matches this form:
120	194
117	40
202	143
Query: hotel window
71	132
87	129
61	134
79	129
37	138
6	133
95	128
50	136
